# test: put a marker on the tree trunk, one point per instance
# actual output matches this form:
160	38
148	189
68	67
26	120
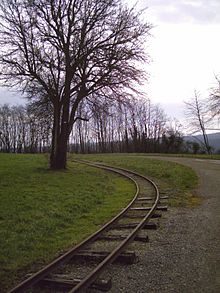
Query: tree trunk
58	161
60	137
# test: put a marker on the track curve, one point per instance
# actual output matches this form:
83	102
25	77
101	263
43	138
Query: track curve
136	208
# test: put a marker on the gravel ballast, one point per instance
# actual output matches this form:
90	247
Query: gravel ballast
183	255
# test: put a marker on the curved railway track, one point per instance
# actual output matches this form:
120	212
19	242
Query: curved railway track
81	267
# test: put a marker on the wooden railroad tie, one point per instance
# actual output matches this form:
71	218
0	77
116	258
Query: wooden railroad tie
150	198
145	198
151	226
159	208
119	238
164	197
65	284
153	216
126	257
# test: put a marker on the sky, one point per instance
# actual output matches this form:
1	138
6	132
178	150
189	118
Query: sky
184	50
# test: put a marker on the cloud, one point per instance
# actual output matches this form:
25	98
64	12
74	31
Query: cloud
183	11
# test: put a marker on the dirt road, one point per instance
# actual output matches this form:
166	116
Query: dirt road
203	232
183	256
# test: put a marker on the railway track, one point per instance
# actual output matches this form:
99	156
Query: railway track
81	268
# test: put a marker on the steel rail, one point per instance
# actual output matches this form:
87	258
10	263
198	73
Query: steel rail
38	276
90	278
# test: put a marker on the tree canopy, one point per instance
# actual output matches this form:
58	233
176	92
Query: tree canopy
64	52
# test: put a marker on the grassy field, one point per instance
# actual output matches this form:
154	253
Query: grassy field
42	213
176	180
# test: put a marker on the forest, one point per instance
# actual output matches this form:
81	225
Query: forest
137	126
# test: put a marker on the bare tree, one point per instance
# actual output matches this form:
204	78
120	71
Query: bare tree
67	51
5	128
198	118
22	130
139	126
214	99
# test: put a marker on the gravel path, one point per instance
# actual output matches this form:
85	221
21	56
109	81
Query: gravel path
183	255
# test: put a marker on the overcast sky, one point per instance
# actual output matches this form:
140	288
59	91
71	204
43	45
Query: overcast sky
184	48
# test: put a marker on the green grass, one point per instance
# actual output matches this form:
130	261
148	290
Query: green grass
175	180
42	213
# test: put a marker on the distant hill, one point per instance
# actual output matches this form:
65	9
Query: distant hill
214	139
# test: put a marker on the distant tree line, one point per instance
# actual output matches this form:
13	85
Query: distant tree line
21	130
137	126
109	125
